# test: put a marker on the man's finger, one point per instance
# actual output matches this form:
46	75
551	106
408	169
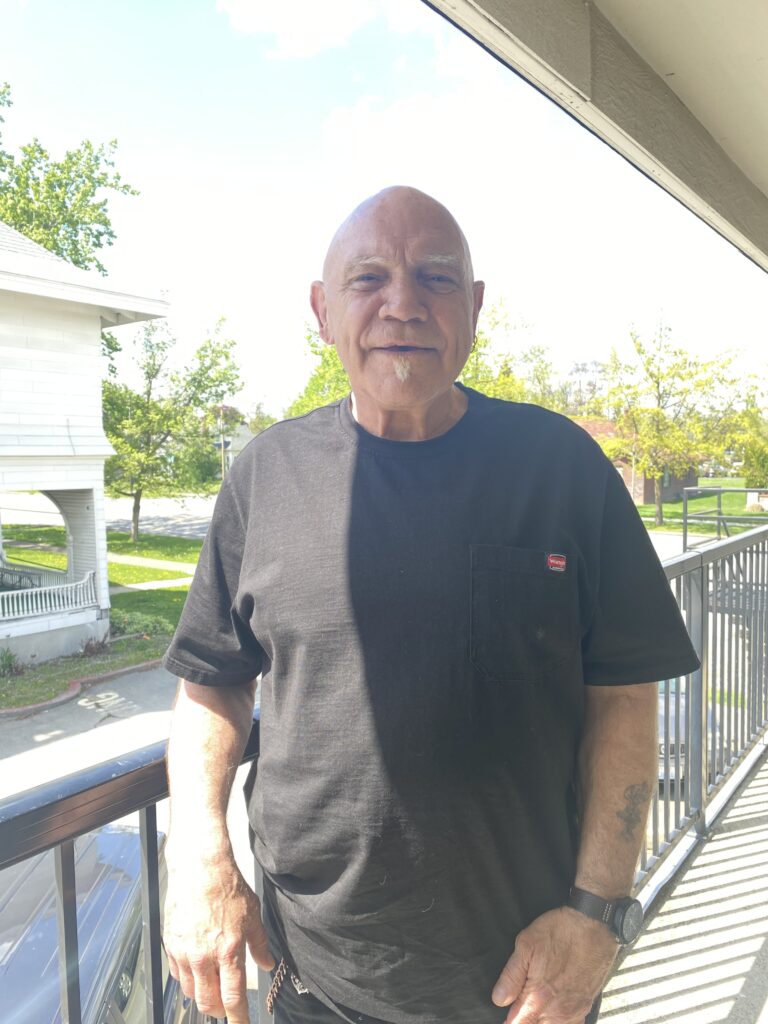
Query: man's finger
258	945
207	993
524	1011
234	993
173	967
511	981
186	979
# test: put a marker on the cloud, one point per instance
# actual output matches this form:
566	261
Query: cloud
303	28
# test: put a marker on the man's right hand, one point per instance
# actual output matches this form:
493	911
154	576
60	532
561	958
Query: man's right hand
211	914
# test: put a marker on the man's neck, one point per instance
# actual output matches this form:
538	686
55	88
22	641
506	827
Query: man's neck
414	424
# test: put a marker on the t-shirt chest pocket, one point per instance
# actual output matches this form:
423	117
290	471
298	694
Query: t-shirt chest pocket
524	611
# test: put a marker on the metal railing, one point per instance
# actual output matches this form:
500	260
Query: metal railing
52	816
723	521
47	600
710	721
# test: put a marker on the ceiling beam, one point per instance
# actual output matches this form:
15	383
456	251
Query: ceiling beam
572	53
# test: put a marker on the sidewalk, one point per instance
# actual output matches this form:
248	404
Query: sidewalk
703	956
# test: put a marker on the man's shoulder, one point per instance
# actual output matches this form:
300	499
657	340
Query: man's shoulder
535	422
295	431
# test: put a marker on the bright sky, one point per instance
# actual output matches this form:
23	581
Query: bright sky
251	129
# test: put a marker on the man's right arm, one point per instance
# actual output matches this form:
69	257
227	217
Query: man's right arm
210	910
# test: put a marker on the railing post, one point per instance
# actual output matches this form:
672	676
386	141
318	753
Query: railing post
685	519
698	611
66	916
150	914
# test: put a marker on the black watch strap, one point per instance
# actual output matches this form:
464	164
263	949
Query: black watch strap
624	916
591	905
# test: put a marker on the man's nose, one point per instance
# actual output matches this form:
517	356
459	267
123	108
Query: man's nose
402	301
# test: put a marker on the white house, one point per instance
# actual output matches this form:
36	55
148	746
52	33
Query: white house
52	439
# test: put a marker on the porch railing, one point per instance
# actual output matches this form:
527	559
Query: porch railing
47	600
17	577
710	723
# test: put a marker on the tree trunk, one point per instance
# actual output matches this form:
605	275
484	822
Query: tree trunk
135	516
659	520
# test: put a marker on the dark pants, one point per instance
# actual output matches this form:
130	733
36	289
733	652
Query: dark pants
292	1008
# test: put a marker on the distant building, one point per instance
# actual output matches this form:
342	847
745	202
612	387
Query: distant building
52	438
638	484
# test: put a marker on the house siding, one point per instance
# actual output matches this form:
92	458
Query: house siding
50	379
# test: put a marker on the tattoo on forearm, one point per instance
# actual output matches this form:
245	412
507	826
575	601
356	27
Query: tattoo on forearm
636	797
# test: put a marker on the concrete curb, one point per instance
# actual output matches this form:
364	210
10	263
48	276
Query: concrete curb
71	691
75	687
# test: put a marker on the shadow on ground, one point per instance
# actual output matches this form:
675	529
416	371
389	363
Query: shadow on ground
703	957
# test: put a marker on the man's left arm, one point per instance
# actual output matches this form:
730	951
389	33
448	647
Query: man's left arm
562	959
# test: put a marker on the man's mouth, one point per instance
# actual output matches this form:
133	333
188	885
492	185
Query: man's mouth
402	348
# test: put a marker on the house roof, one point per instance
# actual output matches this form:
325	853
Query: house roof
30	269
597	428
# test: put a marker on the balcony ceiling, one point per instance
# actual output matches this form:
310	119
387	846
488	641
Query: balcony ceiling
714	56
679	87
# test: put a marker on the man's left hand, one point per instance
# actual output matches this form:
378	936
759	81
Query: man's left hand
559	966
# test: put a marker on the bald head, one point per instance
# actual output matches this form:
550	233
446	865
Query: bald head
394	208
399	303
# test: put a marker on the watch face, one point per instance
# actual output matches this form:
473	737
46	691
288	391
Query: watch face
630	922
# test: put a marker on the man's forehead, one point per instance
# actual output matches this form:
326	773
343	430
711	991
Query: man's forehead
422	257
394	222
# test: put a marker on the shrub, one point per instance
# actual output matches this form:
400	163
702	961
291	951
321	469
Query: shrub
9	664
123	623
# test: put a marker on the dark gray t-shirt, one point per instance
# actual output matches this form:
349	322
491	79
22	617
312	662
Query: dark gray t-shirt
425	616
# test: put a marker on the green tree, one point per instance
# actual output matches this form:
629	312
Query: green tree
752	443
495	376
582	392
260	419
671	410
60	203
162	430
328	381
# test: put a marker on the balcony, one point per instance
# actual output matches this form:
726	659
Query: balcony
713	731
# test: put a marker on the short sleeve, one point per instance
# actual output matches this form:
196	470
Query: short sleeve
637	633
213	644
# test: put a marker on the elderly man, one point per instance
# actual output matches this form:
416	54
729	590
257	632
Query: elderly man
455	612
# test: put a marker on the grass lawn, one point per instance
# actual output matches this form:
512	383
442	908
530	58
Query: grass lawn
174	549
731	504
118	574
46	681
159	604
43	682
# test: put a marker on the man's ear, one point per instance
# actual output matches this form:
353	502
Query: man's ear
320	309
478	291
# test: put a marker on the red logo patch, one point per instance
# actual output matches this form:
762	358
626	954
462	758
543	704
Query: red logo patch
557	563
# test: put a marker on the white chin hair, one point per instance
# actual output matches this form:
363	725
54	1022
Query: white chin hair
402	368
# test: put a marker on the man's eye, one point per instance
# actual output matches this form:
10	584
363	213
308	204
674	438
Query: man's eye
365	279
440	280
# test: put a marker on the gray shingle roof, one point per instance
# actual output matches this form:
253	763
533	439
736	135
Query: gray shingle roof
12	240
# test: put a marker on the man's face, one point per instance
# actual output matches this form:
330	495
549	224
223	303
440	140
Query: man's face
398	301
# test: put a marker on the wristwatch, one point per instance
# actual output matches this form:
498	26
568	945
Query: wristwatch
623	916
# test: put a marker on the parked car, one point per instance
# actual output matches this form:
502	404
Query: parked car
112	983
675	738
